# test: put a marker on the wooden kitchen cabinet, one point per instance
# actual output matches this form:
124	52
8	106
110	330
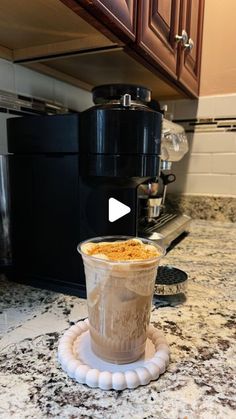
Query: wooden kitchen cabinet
191	20
159	21
40	29
153	25
88	42
120	16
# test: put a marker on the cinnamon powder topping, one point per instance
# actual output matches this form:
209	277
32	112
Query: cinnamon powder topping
132	249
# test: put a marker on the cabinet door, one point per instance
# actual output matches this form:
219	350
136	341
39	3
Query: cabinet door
158	22
119	13
191	19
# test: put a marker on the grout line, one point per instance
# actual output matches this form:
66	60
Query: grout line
211	124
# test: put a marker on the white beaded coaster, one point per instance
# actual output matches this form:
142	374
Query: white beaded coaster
80	363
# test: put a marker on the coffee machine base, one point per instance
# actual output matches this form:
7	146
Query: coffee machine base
168	225
52	284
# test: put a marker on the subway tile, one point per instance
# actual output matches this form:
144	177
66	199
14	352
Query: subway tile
208	184
225	105
234	147
193	163
199	163
206	163
169	113
206	107
185	109
233	184
180	183
7	82
201	184
219	106
191	109
212	142
32	83
181	166
178	168
224	163
71	96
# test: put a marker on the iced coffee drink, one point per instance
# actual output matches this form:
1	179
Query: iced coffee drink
120	278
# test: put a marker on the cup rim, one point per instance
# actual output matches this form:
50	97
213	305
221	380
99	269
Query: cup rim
162	248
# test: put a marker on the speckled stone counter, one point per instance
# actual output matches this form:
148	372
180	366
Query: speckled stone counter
199	382
204	207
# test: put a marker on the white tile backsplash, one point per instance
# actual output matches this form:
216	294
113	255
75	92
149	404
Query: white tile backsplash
233	184
72	97
182	109
212	142
31	83
205	107
224	105
210	165
220	106
202	184
208	184
21	80
7	80
224	163
179	186
200	163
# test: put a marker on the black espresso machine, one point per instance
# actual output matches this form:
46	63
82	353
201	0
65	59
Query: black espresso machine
65	170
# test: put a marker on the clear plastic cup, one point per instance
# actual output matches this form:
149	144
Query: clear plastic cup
119	298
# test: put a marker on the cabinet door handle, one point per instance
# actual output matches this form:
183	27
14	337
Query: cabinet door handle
183	38
189	45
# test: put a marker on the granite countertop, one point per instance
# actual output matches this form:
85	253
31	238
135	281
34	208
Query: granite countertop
199	382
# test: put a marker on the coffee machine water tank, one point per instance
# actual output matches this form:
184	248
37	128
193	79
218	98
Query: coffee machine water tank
174	143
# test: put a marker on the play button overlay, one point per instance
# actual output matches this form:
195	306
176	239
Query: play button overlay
116	209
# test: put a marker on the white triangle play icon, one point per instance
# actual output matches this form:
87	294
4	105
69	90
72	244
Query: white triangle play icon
116	209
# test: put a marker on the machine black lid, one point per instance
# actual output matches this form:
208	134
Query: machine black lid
106	92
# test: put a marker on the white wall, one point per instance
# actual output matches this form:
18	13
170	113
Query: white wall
218	75
209	168
18	79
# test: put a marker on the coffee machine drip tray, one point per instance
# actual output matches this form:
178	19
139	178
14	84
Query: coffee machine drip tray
169	226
